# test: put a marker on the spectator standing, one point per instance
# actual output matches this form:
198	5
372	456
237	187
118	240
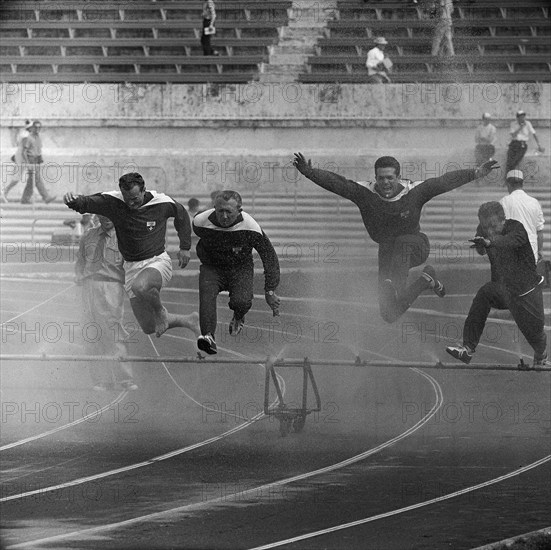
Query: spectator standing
208	29
485	139
17	159
378	64
99	270
193	207
443	29
519	205
520	132
32	157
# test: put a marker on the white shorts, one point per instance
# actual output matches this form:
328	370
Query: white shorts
162	263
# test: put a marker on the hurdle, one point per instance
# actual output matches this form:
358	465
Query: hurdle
289	417
279	362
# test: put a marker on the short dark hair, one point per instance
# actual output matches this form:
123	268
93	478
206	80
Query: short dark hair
193	203
129	181
227	195
387	162
515	183
492	209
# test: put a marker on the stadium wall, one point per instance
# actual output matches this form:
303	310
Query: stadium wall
196	138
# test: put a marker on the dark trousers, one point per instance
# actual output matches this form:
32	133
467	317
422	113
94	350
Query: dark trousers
515	153
483	152
396	257
213	280
205	38
527	311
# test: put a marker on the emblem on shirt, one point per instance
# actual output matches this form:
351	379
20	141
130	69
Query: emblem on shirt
404	214
237	249
151	225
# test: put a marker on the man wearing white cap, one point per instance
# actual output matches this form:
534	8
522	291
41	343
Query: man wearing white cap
485	139
519	205
520	132
378	64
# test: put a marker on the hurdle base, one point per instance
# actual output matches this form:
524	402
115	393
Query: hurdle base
290	417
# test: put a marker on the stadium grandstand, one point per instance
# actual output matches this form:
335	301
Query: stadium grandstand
158	41
267	48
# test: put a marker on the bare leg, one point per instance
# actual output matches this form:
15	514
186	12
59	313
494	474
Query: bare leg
150	313
190	322
146	303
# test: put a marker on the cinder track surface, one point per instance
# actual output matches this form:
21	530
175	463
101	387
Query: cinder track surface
189	460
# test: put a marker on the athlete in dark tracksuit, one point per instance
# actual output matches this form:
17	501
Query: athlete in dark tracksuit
515	285
392	221
227	264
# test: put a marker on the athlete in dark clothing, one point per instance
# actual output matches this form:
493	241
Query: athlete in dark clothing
140	217
227	238
515	284
390	209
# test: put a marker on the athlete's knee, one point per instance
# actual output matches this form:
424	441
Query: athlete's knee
242	304
140	287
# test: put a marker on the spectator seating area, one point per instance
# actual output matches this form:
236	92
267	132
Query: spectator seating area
494	40
159	41
135	40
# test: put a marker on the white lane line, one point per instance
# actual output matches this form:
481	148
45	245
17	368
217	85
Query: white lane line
27	474
130	467
185	508
40	304
210	409
94	414
321	532
137	465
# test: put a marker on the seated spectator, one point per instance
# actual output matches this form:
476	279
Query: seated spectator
377	63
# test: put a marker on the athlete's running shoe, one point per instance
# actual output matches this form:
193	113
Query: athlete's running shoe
437	286
541	361
236	325
207	344
460	352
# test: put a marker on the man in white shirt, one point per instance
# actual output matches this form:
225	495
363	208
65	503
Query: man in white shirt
377	63
520	132
485	139
520	206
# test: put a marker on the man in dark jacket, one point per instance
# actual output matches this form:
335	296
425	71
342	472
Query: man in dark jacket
140	218
227	236
515	284
391	209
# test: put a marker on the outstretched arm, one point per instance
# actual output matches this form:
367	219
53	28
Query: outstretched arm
328	180
91	204
452	180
